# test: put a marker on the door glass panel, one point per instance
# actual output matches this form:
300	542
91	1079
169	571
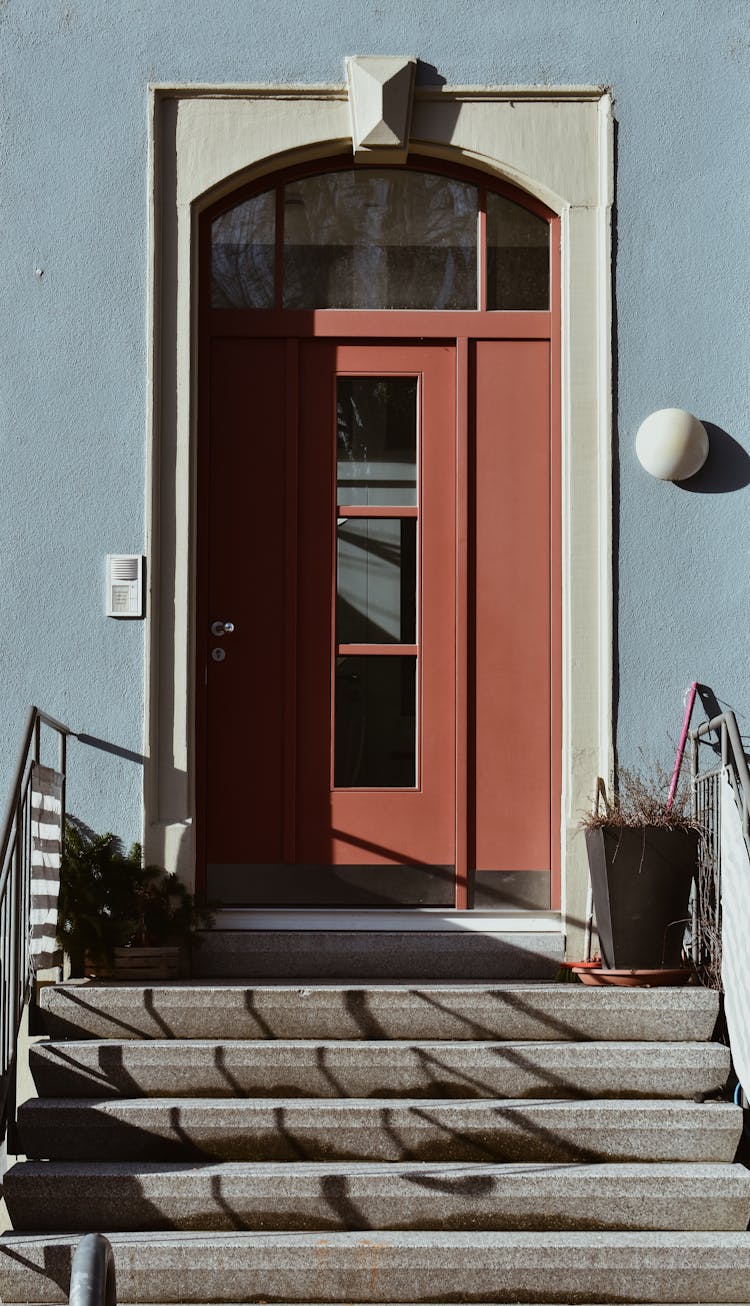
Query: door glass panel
375	238
517	256
376	439
243	254
375	742
376	581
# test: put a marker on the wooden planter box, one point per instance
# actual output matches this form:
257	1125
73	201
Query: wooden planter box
162	963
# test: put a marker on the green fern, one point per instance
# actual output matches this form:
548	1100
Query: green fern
110	899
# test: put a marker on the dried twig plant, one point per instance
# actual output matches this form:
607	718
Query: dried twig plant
640	799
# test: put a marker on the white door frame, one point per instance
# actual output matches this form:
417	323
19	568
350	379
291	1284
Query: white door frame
554	143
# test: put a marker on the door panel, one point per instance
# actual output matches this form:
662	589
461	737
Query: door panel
246	579
397	807
511	650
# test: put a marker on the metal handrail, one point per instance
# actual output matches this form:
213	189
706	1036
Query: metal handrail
706	807
92	1276
35	720
15	896
732	756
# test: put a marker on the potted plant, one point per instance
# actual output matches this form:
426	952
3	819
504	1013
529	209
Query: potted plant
118	917
643	852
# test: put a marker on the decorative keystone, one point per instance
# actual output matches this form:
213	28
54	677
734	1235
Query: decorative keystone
381	90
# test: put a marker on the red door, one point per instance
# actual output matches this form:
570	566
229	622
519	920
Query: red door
379	624
331	495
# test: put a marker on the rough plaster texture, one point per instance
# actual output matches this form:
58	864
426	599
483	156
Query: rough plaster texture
73	163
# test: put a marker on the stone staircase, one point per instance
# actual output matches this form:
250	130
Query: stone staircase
424	1142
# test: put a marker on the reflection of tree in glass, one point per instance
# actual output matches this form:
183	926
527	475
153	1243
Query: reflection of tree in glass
380	239
242	254
376	416
518	252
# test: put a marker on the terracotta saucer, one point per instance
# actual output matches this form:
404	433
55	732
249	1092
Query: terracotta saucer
630	979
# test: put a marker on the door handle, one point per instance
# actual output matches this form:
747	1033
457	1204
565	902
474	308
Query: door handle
222	628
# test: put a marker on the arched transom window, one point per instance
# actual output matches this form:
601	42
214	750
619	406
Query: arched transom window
380	238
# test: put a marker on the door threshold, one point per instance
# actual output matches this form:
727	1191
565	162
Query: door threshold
435	919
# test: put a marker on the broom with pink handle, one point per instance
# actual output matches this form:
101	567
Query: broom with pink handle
681	746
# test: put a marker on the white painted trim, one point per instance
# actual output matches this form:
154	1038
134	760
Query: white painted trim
604	365
331	90
416	918
381	91
554	142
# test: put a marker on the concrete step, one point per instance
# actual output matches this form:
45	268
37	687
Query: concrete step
327	953
394	1267
381	1011
375	1129
365	1195
303	1068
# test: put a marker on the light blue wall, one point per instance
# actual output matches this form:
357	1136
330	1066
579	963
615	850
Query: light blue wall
73	179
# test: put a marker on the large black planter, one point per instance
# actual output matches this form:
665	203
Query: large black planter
641	881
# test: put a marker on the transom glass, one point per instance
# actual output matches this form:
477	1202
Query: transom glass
379	238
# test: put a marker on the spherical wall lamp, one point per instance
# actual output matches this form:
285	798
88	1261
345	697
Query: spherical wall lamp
672	444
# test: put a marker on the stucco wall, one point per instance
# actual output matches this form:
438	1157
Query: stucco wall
73	136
